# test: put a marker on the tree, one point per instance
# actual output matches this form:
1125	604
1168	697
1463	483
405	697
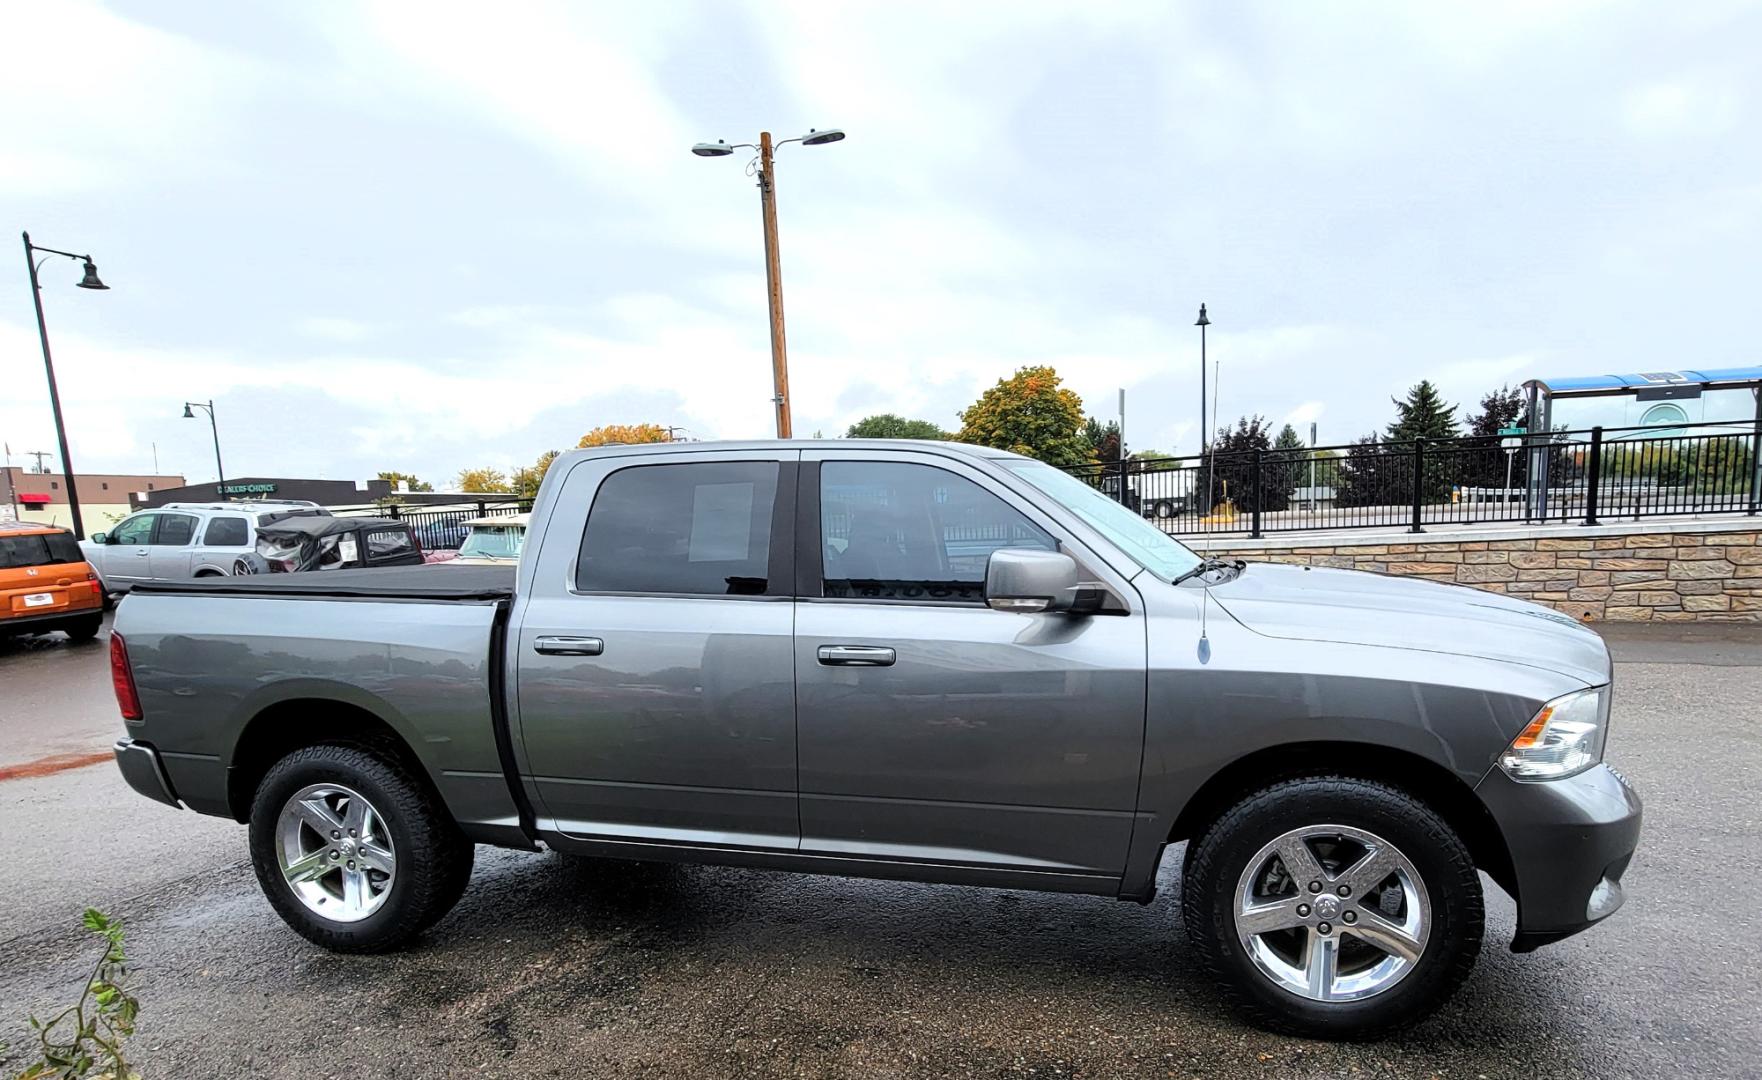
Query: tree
893	426
612	434
1501	408
1103	440
1029	413
1227	470
526	479
410	482
1289	462
1366	475
1425	416
485	480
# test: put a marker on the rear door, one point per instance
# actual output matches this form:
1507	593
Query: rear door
126	555
172	546
654	663
931	728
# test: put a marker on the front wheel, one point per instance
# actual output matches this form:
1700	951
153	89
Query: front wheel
1333	907
353	851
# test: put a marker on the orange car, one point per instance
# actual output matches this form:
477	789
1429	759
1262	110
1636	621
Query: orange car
46	584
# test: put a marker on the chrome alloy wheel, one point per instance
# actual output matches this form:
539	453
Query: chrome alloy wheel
1332	913
335	852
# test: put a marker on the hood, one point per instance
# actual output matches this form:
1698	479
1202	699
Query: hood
1363	608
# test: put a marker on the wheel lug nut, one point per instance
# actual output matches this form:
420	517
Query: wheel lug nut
1303	911
1315	886
335	834
351	832
333	854
1350	916
1325	928
1344	890
351	866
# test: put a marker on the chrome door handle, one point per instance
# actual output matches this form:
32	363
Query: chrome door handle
569	646
856	656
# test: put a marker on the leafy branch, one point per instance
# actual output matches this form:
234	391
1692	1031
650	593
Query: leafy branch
88	1035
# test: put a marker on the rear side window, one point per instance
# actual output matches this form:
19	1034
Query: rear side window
17	552
698	529
227	532
897	531
388	543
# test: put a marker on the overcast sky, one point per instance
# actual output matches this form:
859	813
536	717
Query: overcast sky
431	236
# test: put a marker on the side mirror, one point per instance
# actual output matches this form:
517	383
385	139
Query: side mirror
100	538
1028	580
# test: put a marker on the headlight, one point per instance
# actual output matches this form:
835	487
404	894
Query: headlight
1565	738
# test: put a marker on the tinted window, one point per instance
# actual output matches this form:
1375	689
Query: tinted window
389	542
135	530
893	531
227	532
175	530
700	529
39	550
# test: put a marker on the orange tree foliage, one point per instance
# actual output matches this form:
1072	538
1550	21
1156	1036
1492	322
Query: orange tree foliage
1029	413
624	433
482	481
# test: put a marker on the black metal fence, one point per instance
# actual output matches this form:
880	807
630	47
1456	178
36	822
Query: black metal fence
441	528
1591	475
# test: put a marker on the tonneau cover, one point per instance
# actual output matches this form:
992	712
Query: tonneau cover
435	581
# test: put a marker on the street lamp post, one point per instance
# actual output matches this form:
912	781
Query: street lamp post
762	167
90	281
219	469
1204	432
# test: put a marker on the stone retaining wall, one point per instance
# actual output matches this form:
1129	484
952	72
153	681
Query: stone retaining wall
1708	574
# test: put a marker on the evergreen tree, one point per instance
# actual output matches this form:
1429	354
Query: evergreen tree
1103	440
1228	469
1289	462
1423	416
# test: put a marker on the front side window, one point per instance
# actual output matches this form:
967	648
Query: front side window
135	530
896	531
698	529
175	530
227	532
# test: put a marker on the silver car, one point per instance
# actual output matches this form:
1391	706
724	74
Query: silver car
182	540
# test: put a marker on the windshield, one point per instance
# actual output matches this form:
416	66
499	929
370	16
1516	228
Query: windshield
493	542
1149	546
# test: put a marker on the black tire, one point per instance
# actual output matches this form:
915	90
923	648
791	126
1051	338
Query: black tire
1217	859
433	858
86	629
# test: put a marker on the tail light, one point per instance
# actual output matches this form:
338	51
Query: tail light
122	678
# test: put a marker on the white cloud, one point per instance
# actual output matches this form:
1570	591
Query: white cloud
1693	108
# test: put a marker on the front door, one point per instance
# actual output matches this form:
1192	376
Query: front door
127	550
654	657
930	727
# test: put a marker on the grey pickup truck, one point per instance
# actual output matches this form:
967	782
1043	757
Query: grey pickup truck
906	660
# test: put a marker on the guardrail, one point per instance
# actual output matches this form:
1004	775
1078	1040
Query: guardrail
1587	475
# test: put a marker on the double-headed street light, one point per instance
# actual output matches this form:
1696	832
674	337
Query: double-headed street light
90	281
762	168
219	469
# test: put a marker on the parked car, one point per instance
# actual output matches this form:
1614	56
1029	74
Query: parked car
492	541
803	658
46	584
443	531
296	544
183	540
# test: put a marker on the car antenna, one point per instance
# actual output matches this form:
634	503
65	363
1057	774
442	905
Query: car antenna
1210	477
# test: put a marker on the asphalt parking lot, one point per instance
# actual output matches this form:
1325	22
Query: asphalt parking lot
552	966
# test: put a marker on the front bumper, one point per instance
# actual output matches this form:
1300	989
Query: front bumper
1570	841
144	771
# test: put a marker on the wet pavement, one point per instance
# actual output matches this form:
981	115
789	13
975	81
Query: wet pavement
553	966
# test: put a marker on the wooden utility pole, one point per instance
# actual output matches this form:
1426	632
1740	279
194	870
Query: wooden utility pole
774	288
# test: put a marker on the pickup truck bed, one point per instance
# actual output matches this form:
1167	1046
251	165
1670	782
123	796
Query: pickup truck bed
384	583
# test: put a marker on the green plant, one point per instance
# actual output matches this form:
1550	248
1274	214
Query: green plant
85	1039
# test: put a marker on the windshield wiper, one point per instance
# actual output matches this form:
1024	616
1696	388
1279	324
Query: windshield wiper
1207	565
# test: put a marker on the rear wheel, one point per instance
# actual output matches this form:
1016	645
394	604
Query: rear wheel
86	629
1333	907
353	851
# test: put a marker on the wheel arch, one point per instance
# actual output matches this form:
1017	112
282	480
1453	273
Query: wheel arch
1425	780
295	723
